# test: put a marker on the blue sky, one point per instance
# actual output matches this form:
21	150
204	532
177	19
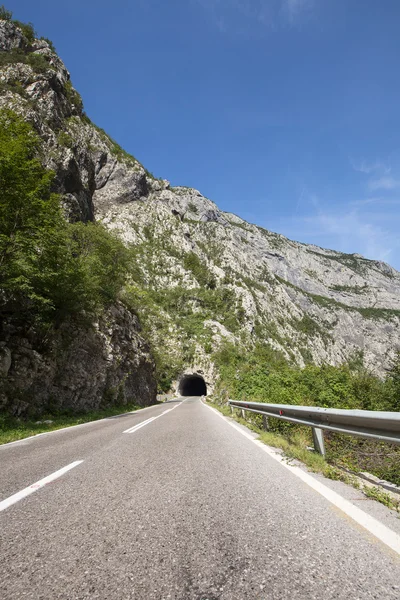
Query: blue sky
285	112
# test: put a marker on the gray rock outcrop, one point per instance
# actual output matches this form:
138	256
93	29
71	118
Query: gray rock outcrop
79	368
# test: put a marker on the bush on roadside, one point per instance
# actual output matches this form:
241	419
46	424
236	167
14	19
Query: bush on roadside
262	375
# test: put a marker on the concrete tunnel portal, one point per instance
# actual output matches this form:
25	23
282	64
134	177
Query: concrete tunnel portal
192	385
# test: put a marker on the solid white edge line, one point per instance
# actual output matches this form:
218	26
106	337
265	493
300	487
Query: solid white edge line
389	537
143	423
37	435
36	486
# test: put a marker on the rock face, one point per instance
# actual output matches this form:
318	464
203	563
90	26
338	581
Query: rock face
241	282
79	368
11	37
310	303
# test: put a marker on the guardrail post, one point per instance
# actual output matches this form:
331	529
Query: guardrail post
243	414
265	423
318	439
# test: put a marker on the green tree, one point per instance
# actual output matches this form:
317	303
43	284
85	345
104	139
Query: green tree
394	381
5	15
27	207
49	268
104	259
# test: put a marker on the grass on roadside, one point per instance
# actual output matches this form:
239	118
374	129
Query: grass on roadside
296	448
13	429
376	493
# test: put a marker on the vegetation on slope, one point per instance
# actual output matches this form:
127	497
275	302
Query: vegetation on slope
179	313
18	55
50	269
27	28
262	375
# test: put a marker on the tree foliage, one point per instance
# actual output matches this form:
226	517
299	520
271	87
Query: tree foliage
49	269
263	375
394	380
200	272
5	15
27	29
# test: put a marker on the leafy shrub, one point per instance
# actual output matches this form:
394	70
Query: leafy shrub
104	258
73	96
262	375
5	15
64	139
49	269
156	327
37	61
13	86
26	197
193	208
15	55
356	289
148	232
306	325
394	382
27	29
200	272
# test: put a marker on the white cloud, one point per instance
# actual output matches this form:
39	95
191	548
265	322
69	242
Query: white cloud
376	201
235	14
353	232
381	179
384	183
369	228
295	8
367	168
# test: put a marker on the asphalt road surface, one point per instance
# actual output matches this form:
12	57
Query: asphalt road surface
182	506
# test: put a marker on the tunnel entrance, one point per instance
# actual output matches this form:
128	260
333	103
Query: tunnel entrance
192	385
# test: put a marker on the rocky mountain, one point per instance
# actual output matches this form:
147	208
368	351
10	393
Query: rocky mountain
202	276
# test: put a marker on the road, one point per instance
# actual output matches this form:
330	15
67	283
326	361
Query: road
180	507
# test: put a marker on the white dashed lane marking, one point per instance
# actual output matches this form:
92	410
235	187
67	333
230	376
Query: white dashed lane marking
36	486
144	423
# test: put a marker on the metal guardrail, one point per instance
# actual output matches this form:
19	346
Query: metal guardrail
377	425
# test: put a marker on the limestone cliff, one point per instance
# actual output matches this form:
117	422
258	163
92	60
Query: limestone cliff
78	366
202	275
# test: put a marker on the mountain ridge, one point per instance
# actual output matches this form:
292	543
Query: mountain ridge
203	276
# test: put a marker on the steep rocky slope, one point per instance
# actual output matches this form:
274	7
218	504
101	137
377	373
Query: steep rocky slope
77	366
308	302
202	276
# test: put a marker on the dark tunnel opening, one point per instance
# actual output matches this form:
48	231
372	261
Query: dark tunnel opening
192	385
